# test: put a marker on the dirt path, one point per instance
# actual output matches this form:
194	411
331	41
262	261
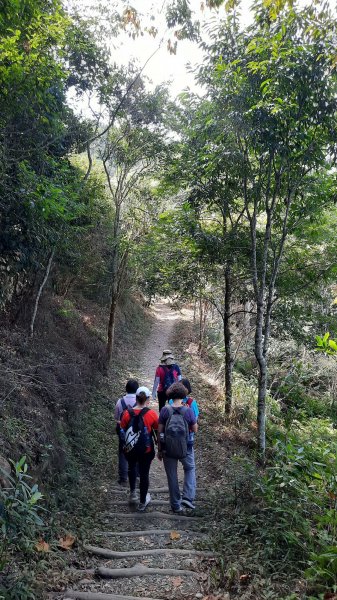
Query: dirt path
153	555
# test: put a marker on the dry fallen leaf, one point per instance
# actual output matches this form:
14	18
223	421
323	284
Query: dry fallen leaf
42	546
177	581
174	535
67	542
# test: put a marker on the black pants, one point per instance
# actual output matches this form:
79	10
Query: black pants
143	463
161	399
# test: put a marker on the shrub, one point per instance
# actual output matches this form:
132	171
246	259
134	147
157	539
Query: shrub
19	511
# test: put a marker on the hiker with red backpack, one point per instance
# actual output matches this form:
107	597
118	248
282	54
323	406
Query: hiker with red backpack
138	433
176	429
128	400
166	374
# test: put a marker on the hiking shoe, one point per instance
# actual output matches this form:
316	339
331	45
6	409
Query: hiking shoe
123	482
187	503
178	511
142	505
133	498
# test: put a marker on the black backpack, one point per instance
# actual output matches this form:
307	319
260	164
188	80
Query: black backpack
136	438
176	432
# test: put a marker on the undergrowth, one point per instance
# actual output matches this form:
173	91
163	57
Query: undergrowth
275	528
79	449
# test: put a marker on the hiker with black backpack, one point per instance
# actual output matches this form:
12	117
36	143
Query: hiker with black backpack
166	373
138	433
176	429
128	400
189	400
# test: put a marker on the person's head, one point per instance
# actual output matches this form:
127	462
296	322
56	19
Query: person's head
187	385
176	391
169	362
165	355
142	395
132	386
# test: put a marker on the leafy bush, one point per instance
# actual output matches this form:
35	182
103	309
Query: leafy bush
19	511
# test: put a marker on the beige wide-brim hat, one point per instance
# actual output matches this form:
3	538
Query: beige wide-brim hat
166	354
169	361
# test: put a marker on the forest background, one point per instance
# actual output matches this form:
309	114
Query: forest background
113	192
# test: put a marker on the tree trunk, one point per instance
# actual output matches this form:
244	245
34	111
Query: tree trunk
228	340
262	380
38	295
111	329
201	337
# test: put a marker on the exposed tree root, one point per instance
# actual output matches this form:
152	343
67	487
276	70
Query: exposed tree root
153	502
146	551
145	532
140	571
100	596
152	515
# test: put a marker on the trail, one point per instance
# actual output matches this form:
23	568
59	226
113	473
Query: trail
152	555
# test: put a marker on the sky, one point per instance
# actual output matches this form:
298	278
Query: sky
163	66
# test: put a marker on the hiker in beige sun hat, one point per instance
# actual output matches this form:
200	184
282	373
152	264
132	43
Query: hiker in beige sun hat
167	373
166	354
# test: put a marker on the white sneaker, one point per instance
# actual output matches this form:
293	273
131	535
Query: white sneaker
142	506
133	498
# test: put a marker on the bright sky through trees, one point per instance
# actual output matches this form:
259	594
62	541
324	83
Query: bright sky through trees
163	66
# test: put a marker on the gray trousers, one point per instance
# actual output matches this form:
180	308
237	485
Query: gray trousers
189	488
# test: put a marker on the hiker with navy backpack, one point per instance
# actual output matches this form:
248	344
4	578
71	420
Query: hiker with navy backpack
138	433
176	429
166	374
128	400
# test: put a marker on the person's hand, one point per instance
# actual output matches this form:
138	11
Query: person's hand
160	455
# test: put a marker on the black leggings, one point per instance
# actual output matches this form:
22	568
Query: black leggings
161	399
144	464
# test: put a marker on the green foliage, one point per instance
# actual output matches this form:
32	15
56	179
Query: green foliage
19	510
326	344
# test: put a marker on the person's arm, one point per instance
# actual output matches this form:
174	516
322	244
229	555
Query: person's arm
179	373
195	408
192	421
155	387
117	414
125	419
161	429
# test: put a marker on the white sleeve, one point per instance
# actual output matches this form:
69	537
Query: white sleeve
155	386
